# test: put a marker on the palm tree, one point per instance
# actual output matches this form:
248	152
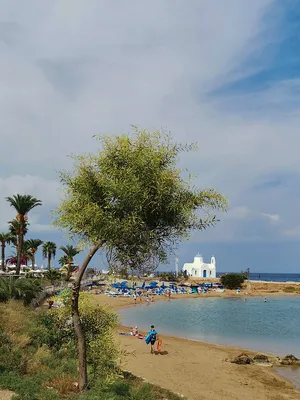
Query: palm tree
26	252
63	260
22	203
33	245
25	289
5	238
70	252
52	275
49	251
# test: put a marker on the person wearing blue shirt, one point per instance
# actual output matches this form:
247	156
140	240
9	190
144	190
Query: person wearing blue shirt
151	338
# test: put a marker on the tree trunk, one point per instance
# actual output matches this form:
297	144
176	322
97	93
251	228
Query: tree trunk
81	343
33	260
49	261
19	253
3	256
68	271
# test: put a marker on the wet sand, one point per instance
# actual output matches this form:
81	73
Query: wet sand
198	370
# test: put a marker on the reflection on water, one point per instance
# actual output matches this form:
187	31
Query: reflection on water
271	327
290	373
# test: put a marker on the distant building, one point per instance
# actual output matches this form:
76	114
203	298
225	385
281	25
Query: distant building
200	269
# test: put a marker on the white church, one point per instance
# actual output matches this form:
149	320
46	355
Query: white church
200	269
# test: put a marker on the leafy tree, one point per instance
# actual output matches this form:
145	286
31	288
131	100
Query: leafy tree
22	204
5	238
70	252
232	281
49	251
33	245
131	194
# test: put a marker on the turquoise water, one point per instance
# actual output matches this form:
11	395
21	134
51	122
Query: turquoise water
272	327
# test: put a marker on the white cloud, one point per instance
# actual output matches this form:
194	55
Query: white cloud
292	232
68	73
272	217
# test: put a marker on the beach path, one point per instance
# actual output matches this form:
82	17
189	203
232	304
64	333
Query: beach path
6	395
199	371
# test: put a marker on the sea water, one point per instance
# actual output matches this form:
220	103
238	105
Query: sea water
270	277
272	327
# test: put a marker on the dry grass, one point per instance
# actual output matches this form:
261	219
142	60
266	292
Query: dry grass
64	385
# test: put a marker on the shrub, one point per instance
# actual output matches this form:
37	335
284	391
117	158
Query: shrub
98	324
290	289
232	281
52	275
22	289
33	367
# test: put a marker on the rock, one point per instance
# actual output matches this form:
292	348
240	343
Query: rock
242	359
261	358
290	359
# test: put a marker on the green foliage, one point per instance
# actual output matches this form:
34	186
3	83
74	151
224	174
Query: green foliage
33	244
63	260
232	281
35	371
129	389
6	237
16	227
70	252
49	248
98	324
132	197
23	203
52	275
22	288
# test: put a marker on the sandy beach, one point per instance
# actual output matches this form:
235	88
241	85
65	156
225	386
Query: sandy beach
199	370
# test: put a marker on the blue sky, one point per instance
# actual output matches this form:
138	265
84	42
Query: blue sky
223	74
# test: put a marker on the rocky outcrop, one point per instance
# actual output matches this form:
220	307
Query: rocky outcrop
261	359
290	359
242	359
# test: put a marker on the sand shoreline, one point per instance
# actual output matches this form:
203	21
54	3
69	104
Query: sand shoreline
199	370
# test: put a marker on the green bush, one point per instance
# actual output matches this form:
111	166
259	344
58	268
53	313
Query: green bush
20	289
98	324
38	355
232	281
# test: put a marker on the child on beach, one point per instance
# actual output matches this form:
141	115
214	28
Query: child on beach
147	300
153	337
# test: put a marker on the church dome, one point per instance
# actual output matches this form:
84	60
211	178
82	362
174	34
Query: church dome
198	258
